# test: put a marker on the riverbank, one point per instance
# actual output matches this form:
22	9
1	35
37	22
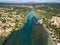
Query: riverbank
49	34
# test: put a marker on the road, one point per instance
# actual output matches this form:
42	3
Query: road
32	33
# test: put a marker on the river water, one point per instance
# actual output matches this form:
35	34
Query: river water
30	34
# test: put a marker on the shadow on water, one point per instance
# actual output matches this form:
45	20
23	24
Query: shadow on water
40	36
30	34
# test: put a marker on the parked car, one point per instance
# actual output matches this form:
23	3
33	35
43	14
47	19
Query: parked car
51	33
58	43
52	36
58	39
54	39
51	29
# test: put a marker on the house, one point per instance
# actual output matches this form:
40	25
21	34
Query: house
40	21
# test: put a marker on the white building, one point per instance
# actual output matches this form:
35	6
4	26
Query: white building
40	21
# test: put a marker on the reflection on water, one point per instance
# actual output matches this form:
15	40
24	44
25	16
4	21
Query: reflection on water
30	34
